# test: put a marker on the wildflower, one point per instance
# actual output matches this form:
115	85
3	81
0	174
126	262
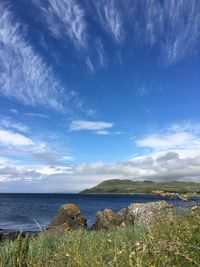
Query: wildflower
119	252
132	254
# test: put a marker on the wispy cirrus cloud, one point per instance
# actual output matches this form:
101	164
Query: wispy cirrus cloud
143	90
66	19
182	20
90	65
97	126
101	53
171	26
174	26
37	115
34	82
110	18
7	122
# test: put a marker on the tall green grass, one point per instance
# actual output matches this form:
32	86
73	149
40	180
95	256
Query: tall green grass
168	242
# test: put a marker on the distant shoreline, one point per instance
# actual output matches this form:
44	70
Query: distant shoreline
103	193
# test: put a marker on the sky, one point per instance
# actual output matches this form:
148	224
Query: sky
97	90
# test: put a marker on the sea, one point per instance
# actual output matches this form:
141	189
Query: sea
26	212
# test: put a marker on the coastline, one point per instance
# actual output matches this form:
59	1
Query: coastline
163	240
19	216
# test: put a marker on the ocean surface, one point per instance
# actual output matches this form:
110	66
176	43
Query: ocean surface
19	211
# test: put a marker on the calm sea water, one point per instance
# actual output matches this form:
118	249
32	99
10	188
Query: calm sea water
18	211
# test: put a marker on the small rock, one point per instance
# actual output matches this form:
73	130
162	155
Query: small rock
106	219
69	217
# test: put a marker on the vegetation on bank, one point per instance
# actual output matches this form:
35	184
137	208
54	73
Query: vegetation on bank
116	186
168	242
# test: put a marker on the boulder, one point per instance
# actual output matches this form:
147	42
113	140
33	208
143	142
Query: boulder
105	220
68	218
136	213
145	213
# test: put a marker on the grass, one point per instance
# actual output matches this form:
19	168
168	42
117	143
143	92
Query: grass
169	242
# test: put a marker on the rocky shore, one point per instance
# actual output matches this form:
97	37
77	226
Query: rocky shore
69	218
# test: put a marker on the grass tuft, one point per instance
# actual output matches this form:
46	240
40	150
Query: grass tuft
168	242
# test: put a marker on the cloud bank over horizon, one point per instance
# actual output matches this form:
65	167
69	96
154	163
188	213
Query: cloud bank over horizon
163	162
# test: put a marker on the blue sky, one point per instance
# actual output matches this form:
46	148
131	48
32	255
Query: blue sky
94	90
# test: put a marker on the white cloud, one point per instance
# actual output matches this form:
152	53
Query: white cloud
183	137
103	132
33	179
34	174
169	141
50	158
68	158
48	170
165	167
6	122
12	174
8	138
3	161
66	19
80	125
34	82
12	110
174	155
37	115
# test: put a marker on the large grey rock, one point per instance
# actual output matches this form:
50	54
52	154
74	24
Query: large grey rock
68	218
136	213
145	213
105	220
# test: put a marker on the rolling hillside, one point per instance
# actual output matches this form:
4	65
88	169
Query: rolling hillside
130	187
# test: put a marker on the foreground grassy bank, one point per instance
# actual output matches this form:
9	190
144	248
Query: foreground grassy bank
169	242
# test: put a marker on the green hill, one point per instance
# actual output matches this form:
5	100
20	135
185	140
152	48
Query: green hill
116	186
